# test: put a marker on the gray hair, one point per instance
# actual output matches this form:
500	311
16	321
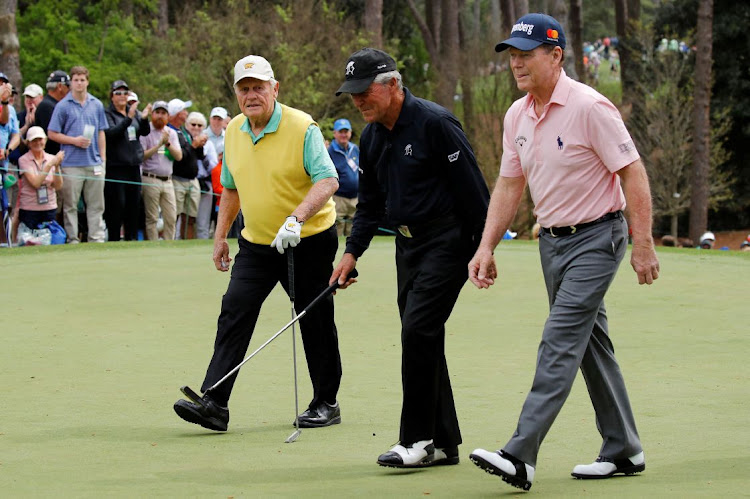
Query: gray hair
196	117
271	80
51	85
384	78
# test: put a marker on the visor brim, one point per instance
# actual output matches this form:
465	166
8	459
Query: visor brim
355	86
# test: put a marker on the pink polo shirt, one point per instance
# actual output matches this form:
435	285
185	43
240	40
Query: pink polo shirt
27	197
569	155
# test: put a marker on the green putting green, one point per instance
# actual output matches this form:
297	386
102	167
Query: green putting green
97	340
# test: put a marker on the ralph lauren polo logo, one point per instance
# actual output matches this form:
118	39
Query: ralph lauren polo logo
407	150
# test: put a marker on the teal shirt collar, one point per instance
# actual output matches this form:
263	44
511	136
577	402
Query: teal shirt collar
271	126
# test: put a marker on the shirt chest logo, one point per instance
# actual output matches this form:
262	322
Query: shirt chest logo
520	140
407	150
559	143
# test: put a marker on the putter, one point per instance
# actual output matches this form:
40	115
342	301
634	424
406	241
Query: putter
290	269
198	399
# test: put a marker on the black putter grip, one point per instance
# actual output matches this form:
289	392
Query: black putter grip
290	271
330	289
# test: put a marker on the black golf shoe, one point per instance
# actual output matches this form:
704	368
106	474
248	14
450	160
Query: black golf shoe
208	413
320	416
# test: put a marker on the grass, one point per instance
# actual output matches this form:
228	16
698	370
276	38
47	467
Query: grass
98	338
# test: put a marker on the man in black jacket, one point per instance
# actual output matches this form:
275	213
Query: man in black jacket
419	171
187	191
122	191
58	86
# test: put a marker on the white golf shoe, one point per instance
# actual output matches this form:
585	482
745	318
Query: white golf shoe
511	470
416	455
605	467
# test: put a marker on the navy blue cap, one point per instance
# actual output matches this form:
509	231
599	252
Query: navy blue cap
533	30
341	124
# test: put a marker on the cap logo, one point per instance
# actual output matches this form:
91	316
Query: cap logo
349	69
552	33
382	66
249	65
526	28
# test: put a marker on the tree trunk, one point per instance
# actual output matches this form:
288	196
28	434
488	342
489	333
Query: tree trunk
560	12
673	226
509	16
495	23
373	21
575	37
442	45
449	54
9	61
163	20
522	7
432	18
469	39
621	23
701	122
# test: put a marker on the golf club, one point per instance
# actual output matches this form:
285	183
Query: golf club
192	395
290	269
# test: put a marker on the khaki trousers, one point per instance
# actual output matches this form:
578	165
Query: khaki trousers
79	180
345	208
159	194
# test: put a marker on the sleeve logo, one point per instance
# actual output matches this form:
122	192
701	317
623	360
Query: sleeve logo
453	157
626	147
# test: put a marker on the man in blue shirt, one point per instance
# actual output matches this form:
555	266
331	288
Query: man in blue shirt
345	156
78	123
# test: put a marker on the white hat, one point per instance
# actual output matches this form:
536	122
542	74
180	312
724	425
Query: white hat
708	236
132	96
220	112
177	105
252	66
35	132
33	90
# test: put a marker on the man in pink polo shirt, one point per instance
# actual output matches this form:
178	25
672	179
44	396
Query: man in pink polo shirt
570	144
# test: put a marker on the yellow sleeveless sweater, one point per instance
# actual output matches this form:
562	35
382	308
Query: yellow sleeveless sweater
270	176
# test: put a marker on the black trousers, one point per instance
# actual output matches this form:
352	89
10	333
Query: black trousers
432	269
256	270
122	201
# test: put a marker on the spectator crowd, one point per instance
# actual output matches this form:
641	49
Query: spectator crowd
106	170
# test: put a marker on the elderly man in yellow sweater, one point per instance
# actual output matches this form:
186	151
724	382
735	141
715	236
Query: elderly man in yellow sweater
277	170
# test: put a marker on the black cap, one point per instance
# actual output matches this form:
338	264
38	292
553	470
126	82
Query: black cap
4	78
362	68
120	84
59	76
160	104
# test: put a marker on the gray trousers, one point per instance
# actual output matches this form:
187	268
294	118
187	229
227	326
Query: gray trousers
578	270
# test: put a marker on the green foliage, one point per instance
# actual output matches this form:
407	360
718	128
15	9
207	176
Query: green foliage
56	35
731	86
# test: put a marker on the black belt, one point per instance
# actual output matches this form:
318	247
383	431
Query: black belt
417	230
572	229
158	177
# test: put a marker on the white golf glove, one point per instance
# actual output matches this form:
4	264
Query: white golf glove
288	235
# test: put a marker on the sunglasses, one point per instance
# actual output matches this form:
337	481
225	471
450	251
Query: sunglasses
196	124
120	92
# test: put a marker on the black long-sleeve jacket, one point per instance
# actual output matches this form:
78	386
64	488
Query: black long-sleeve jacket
123	147
421	171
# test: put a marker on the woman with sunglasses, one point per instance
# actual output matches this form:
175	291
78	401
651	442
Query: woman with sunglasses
122	192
